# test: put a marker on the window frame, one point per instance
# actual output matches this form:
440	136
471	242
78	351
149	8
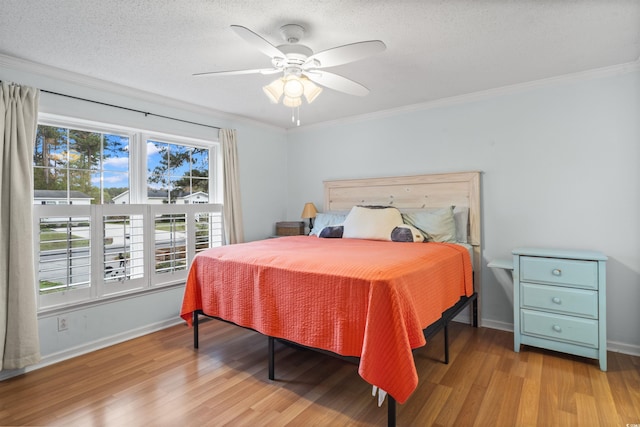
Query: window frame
99	290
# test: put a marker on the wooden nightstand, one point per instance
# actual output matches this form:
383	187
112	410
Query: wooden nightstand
560	301
290	228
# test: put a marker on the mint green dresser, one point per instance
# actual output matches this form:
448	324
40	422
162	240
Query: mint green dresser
560	301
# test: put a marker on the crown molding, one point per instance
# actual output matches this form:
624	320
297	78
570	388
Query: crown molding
596	73
93	83
140	95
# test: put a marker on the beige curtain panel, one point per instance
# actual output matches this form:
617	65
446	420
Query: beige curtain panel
19	344
234	231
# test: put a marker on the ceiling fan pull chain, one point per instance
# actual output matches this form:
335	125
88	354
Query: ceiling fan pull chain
298	124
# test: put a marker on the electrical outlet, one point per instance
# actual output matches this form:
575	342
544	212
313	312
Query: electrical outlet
63	324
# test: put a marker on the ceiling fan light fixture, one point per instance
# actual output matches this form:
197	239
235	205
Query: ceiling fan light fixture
311	91
293	87
274	90
291	102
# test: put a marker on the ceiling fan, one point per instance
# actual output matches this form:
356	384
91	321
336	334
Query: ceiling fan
301	67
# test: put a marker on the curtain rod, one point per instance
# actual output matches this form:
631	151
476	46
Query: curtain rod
146	113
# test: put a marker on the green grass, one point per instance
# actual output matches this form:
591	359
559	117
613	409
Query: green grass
52	240
45	285
178	226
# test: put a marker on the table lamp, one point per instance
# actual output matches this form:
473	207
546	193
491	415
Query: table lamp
309	212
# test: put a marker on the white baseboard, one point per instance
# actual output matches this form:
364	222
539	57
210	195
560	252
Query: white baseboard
91	346
616	347
495	324
619	347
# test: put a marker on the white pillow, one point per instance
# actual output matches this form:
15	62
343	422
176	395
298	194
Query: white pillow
438	225
326	219
374	223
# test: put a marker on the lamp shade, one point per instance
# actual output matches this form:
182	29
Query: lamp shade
274	90
309	211
291	102
311	91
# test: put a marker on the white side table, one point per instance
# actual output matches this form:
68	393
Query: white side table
505	264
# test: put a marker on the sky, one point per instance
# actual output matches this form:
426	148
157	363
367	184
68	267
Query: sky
113	169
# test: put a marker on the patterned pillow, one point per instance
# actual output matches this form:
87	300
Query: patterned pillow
332	232
407	233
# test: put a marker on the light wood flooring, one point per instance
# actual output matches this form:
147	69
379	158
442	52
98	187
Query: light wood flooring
160	380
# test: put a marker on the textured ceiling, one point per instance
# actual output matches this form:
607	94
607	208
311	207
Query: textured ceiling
435	49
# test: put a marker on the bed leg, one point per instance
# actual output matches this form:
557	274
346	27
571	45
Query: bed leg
446	343
272	358
195	329
391	411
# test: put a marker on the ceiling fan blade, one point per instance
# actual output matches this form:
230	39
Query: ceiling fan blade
238	72
336	82
345	54
258	42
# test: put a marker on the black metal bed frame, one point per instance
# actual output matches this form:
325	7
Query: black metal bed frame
429	331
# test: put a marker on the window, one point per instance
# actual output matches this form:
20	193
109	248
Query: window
118	210
72	166
178	171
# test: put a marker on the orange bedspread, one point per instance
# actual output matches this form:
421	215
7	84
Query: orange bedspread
363	298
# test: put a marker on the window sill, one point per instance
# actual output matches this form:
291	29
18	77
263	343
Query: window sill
53	311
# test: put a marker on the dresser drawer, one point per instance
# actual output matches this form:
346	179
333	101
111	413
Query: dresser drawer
557	327
579	302
583	274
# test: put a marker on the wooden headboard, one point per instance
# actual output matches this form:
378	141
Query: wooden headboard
416	192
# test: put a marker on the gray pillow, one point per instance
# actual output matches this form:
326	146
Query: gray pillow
438	225
461	217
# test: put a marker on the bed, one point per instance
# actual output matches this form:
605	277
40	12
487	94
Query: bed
373	300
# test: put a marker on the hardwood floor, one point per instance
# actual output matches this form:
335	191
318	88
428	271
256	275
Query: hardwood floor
160	380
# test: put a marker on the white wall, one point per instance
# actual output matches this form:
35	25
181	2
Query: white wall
263	179
560	162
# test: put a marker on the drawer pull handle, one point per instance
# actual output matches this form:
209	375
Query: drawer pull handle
556	300
557	328
556	272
